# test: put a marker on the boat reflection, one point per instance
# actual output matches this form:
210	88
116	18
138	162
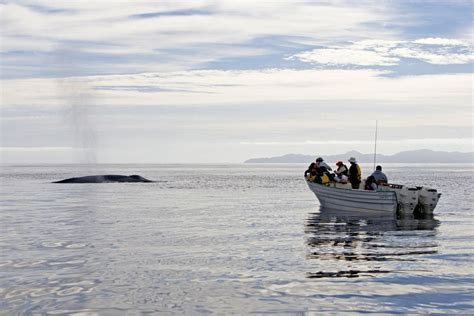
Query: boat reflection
353	245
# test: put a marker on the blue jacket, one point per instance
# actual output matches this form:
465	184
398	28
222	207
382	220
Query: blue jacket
379	176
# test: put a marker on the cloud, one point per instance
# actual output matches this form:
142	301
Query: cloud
345	57
440	41
119	25
176	35
224	87
184	71
434	56
83	37
439	51
417	141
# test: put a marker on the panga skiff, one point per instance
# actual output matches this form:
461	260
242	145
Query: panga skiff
388	198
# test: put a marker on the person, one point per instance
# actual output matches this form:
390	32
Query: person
354	173
370	183
324	169
341	171
317	175
322	166
308	171
379	176
313	175
341	168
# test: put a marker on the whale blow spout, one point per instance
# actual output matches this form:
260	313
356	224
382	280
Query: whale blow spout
105	179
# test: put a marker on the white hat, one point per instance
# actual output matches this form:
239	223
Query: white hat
352	159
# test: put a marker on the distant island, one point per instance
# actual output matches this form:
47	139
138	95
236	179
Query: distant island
413	156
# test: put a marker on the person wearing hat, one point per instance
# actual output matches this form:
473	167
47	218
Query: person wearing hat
321	165
354	174
324	169
341	172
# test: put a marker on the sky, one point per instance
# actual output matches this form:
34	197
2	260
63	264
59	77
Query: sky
225	81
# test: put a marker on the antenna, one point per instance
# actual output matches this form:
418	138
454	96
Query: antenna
375	143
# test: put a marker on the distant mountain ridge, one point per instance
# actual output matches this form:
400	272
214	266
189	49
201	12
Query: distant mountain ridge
413	156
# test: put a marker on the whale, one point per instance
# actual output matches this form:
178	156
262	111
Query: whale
105	179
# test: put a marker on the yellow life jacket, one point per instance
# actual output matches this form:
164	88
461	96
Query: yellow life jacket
311	178
324	179
359	172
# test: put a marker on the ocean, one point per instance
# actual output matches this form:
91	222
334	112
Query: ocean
227	239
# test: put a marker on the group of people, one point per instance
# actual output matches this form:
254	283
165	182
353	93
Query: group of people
321	172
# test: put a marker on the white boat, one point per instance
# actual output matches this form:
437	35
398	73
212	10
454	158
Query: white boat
388	198
341	197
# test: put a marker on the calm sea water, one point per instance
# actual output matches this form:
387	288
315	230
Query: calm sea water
227	239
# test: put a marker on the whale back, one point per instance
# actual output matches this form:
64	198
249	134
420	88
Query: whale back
139	178
105	179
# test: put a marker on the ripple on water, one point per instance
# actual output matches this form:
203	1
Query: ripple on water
228	240
46	294
370	245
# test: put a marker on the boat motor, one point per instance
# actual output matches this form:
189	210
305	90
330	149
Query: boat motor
407	198
427	199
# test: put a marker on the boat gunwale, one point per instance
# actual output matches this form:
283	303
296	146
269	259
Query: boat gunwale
365	192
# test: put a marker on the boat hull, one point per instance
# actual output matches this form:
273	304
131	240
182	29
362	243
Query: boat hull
342	199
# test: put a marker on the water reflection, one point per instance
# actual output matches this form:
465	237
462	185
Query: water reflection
350	245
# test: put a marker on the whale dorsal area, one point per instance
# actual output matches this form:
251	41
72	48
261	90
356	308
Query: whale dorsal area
105	179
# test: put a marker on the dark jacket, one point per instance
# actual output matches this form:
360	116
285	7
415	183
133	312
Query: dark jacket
354	173
370	183
308	171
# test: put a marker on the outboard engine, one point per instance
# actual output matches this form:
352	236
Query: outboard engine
427	199
407	198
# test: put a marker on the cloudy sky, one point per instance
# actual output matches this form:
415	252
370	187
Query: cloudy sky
224	81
